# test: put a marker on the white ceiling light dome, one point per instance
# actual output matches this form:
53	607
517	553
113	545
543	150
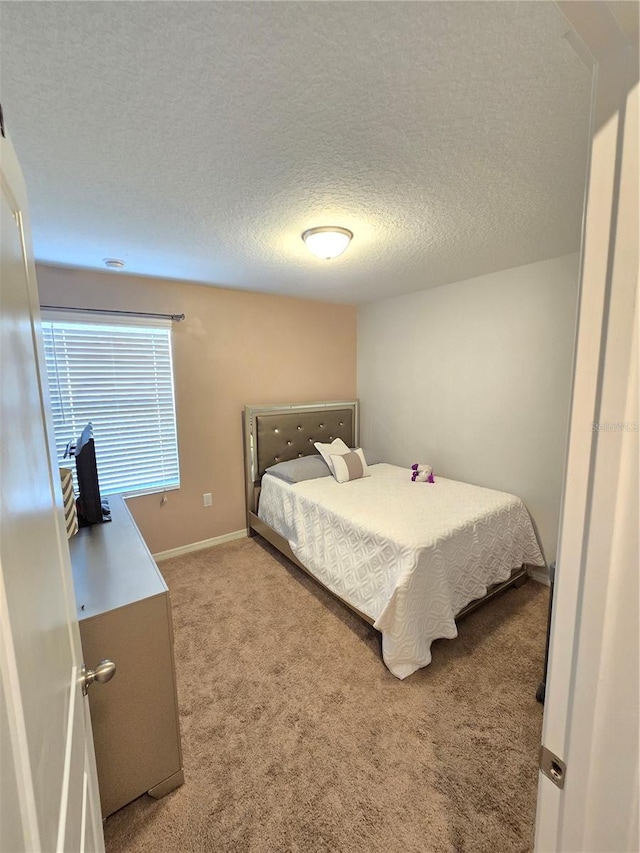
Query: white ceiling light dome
327	242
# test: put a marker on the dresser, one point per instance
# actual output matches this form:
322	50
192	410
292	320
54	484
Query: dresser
124	611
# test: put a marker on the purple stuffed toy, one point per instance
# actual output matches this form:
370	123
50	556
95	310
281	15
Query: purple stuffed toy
422	473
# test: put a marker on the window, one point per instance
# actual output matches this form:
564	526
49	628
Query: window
119	376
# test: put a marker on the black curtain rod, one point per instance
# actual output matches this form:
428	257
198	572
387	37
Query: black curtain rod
175	317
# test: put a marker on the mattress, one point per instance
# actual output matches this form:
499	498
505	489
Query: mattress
408	555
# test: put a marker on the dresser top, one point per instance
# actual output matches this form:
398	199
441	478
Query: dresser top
112	566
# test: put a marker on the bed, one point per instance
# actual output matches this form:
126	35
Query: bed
410	558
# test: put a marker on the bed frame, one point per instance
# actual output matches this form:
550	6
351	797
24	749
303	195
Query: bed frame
279	433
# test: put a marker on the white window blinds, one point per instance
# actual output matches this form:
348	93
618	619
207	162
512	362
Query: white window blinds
119	376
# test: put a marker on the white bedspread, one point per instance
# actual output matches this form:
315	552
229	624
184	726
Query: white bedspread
408	555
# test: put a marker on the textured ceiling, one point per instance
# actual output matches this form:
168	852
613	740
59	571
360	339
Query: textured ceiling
198	140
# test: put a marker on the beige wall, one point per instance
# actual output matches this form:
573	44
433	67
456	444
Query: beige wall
233	348
474	379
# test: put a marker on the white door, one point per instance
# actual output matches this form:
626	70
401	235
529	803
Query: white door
48	785
591	713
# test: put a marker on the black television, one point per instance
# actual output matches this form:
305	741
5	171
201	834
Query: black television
91	508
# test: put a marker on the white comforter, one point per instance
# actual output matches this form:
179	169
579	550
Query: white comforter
408	555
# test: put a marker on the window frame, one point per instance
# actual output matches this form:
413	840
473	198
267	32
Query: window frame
61	315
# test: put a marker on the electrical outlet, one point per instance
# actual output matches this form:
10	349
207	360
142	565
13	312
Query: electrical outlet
207	499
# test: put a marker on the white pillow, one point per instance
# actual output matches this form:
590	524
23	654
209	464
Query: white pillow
350	466
336	448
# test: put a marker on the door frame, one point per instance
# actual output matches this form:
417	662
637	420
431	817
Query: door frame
599	481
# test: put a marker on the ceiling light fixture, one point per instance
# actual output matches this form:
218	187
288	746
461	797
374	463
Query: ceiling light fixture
328	241
113	263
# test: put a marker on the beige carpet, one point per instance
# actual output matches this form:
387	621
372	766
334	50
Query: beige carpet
296	737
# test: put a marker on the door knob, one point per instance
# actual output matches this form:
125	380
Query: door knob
104	672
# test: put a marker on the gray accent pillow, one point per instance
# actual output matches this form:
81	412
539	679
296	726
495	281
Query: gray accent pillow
350	466
300	469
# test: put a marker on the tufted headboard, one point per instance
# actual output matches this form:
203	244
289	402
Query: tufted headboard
279	433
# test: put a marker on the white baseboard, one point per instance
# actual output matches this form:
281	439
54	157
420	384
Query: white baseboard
200	546
539	575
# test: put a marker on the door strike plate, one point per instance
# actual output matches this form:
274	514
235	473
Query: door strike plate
552	767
